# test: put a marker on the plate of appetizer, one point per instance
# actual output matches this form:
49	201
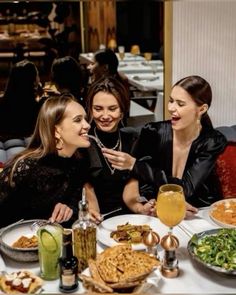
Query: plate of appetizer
223	213
128	229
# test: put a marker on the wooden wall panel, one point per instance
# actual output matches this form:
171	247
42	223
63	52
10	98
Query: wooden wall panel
101	18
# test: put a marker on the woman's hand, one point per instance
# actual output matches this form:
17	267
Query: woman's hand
95	216
190	211
61	213
148	208
119	160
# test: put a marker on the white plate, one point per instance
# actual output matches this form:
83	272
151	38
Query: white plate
109	225
218	222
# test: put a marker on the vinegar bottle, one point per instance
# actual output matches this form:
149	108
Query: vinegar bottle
68	265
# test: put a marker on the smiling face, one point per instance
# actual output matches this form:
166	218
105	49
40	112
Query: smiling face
73	129
183	110
106	111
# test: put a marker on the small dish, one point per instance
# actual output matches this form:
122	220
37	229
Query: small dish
227	211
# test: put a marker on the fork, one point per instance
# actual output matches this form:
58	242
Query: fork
142	199
38	223
108	213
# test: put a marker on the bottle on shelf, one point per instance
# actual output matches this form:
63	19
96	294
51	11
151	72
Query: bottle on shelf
68	264
84	230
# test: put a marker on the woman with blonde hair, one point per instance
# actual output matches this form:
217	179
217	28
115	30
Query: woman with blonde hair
46	179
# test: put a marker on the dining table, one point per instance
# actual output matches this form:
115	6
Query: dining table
146	81
193	277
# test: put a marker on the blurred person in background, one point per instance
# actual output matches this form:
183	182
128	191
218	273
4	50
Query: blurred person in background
67	76
18	105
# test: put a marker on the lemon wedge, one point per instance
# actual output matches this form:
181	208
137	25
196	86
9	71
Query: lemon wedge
48	242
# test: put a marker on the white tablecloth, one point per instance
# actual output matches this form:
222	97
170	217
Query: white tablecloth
193	278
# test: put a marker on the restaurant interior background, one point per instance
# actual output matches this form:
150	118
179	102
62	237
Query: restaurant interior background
195	41
42	30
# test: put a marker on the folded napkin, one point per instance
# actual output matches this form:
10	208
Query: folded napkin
151	284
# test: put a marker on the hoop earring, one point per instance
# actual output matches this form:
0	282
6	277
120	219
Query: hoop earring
59	143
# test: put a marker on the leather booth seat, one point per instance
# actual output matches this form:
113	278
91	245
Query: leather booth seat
11	147
226	163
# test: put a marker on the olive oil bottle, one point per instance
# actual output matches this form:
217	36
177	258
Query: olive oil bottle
85	243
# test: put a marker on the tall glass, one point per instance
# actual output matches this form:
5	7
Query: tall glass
147	56
171	210
170	204
121	52
49	247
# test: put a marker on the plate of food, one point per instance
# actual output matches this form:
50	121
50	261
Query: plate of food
19	241
215	250
128	229
119	268
22	281
223	213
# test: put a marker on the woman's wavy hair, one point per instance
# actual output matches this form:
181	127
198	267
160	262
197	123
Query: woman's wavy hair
200	91
43	141
109	85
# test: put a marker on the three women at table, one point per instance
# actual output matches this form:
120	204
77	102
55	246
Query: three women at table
46	179
107	102
182	150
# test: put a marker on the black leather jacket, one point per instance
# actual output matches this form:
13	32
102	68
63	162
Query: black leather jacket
154	150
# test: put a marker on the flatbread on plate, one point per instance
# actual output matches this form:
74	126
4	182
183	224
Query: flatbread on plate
20	282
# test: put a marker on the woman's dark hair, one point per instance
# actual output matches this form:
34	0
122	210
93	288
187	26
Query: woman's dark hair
200	91
109	85
66	74
109	58
21	85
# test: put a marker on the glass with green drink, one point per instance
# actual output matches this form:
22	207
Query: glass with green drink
49	247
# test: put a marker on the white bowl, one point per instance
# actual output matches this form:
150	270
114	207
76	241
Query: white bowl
12	233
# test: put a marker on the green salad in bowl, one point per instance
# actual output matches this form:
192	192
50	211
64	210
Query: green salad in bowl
215	249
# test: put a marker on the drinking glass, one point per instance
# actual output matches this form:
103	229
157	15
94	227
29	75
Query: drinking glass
49	247
121	51
147	56
135	50
170	205
171	210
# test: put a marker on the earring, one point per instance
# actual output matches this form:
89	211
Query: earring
59	143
